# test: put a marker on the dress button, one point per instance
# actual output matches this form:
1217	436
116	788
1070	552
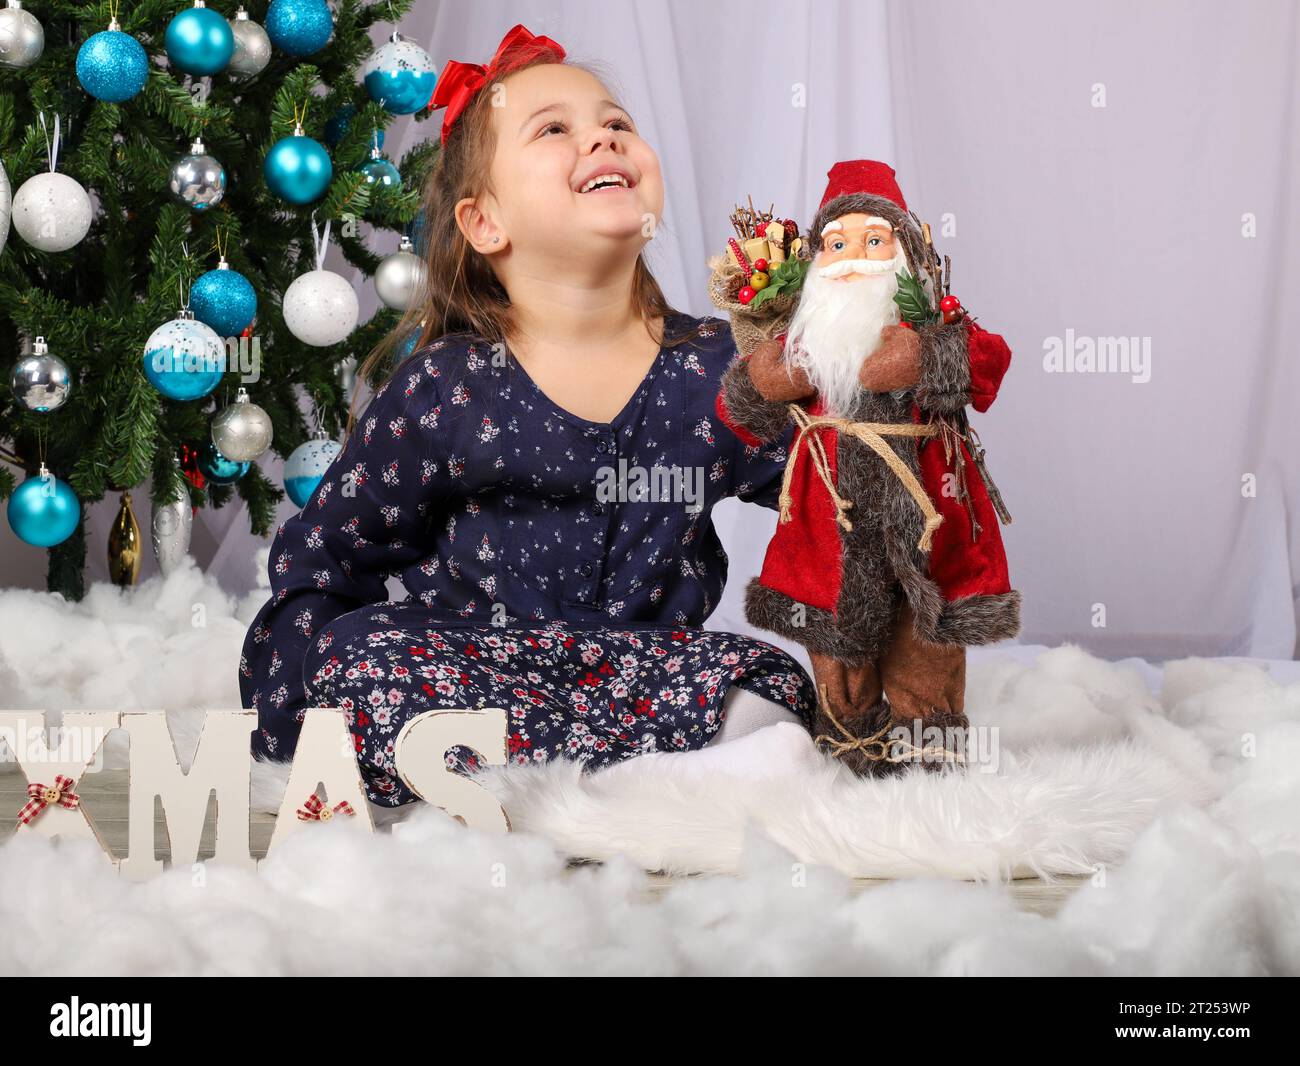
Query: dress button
597	508
585	570
602	447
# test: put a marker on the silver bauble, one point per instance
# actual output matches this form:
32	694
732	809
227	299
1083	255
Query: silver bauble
252	46
197	179
347	375
170	529
242	430
41	381
400	278
22	38
6	199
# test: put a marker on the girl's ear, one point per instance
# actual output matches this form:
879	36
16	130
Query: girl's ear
484	235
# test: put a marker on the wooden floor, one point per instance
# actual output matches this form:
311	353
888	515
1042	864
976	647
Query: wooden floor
105	797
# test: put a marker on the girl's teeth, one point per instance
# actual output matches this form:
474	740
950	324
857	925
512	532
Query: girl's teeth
605	178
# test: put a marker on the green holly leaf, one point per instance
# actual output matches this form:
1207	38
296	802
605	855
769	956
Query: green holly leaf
786	278
913	304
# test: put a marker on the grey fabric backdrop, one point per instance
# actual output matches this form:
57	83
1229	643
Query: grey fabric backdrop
1109	174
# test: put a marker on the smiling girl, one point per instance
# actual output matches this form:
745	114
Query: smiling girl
548	366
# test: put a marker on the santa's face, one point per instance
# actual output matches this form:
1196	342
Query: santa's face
846	300
852	238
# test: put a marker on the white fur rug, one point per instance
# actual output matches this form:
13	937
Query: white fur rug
1180	801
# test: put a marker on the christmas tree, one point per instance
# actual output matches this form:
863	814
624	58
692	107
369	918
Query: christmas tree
159	224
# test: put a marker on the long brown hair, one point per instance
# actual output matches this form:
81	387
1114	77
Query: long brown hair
464	294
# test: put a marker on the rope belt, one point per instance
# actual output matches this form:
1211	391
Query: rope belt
873	435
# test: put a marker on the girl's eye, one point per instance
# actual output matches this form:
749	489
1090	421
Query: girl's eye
621	122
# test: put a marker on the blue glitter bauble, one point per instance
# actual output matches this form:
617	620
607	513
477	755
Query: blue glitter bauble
112	66
299	27
298	169
223	299
400	75
337	126
407	347
218	468
43	511
199	41
380	171
306	466
184	359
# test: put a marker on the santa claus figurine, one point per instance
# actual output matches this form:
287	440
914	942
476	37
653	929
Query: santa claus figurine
887	561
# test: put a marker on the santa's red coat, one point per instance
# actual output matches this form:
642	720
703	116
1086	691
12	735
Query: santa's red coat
804	558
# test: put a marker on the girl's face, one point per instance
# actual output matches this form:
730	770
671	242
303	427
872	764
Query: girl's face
556	129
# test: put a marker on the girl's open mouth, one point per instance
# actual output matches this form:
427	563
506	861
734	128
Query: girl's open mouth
605	182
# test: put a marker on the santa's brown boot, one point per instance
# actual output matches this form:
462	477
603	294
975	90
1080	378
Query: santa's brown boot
850	714
925	685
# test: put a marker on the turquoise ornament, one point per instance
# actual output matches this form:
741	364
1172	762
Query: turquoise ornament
306	466
298	168
224	299
184	359
218	468
43	511
112	66
199	41
400	76
299	27
381	171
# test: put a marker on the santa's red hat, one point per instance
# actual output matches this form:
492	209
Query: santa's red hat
862	177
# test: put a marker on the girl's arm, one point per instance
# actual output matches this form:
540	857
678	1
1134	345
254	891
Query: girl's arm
366	520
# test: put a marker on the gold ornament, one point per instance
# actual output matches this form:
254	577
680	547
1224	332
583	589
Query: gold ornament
124	545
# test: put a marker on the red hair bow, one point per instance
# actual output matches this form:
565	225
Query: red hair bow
460	81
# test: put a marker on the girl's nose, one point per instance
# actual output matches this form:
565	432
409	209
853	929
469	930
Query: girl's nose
605	139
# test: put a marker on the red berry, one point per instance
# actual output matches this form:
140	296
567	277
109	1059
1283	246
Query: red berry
747	293
907	325
760	264
949	303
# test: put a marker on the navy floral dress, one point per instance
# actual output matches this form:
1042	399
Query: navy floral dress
556	567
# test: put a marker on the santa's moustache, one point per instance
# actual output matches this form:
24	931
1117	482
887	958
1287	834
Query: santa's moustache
836	325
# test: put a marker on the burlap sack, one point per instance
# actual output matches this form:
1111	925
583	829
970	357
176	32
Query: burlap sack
749	326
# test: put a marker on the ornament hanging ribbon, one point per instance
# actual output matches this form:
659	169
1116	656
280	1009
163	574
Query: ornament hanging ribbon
321	240
459	82
51	146
872	434
41	796
314	810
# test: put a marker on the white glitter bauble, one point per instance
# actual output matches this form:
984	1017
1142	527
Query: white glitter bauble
252	46
400	277
320	308
242	430
51	211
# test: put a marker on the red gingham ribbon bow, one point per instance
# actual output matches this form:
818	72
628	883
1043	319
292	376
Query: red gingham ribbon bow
458	81
41	796
314	810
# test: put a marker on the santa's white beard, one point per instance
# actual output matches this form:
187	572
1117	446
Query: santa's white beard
836	327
